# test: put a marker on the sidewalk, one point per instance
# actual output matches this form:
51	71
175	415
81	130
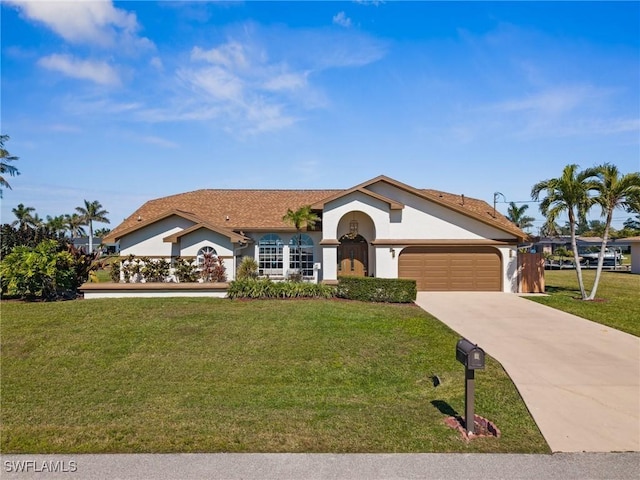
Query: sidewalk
586	466
579	379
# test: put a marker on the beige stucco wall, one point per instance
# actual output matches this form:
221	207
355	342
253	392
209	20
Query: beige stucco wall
148	241
420	219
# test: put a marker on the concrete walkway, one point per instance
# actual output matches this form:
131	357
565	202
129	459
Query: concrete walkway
579	379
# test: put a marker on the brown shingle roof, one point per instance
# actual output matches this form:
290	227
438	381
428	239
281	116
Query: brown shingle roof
245	209
251	210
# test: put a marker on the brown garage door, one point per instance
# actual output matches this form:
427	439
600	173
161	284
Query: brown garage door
452	268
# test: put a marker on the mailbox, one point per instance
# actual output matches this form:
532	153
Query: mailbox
470	355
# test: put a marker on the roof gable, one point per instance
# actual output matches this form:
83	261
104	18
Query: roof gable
118	233
393	204
232	236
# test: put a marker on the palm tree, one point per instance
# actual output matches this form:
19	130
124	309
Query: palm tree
74	225
304	216
5	157
517	216
23	216
613	191
569	193
92	212
58	224
102	232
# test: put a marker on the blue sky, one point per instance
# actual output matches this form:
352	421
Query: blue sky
123	102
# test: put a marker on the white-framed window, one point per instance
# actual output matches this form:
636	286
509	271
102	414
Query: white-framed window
202	252
270	249
301	256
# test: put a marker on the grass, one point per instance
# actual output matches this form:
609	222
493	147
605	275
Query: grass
618	297
215	375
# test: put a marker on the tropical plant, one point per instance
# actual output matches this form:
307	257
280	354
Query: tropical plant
92	212
57	224
569	194
302	217
212	269
517	216
74	223
6	157
102	232
184	270
248	268
43	271
24	217
614	190
632	223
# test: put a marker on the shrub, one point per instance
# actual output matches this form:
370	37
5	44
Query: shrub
265	288
46	271
184	270
367	289
248	268
155	270
213	269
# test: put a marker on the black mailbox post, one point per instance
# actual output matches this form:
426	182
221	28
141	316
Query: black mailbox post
472	357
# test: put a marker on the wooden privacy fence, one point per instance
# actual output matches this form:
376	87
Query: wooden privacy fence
530	272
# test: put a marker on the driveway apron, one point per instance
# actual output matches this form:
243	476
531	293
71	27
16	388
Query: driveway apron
579	379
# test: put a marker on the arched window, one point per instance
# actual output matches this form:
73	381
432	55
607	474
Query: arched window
301	256
202	252
270	255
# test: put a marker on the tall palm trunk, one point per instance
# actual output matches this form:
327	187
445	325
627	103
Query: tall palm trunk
576	257
605	239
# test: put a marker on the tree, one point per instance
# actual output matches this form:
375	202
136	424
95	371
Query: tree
57	224
568	193
24	219
632	223
74	224
92	212
102	232
596	228
304	216
517	216
6	157
613	191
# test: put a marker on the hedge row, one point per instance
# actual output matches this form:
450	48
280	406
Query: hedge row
265	288
368	289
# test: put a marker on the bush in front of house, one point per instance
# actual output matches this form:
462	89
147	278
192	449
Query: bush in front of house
50	270
248	268
368	289
265	288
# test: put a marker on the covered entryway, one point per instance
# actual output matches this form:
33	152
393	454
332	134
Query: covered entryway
353	254
454	268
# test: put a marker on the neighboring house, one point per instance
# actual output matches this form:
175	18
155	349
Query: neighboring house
380	228
548	245
635	253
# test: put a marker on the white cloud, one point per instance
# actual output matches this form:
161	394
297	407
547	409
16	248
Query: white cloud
98	72
95	22
230	55
156	62
341	19
553	101
287	81
160	142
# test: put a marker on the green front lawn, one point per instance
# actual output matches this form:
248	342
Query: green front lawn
618	297
215	375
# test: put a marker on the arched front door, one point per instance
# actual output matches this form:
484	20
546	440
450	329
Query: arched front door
353	255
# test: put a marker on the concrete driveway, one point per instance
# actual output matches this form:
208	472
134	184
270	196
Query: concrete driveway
579	379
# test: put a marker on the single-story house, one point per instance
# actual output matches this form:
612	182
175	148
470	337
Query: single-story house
635	253
380	228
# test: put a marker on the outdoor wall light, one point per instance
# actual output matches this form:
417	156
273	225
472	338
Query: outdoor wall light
393	253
